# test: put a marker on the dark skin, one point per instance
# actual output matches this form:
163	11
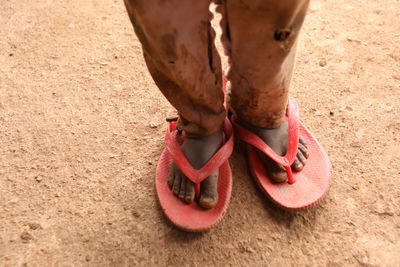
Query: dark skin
199	150
277	139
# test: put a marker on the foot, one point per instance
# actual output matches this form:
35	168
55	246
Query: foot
277	139
198	152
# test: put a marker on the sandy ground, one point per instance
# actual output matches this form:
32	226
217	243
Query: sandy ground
82	126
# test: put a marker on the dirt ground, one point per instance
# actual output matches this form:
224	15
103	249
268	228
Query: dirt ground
82	126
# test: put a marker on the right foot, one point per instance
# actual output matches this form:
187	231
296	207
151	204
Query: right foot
198	151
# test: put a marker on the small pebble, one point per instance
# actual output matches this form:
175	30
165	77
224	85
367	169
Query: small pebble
331	113
381	210
38	178
34	226
270	247
26	236
249	250
154	124
135	213
322	63
88	258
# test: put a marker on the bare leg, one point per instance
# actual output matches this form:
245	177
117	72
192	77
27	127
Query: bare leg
260	39
178	46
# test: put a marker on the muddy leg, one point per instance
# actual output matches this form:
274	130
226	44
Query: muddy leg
260	38
178	47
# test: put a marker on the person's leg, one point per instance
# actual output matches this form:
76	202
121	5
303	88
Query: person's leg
178	47
260	38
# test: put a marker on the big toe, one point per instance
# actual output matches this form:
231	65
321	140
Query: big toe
278	175
208	201
209	194
276	172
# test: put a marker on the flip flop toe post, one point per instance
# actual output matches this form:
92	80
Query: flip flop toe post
192	217
303	189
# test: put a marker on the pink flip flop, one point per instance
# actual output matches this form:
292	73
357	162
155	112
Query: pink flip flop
303	189
192	217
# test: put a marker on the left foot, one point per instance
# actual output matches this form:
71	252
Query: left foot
277	139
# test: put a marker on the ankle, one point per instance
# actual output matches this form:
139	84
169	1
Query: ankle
217	135
252	127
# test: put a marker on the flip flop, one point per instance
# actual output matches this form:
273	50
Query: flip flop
192	217
303	189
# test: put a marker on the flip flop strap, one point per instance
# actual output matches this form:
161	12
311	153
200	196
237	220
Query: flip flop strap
293	139
219	158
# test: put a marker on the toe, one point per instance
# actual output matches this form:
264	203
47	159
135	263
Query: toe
301	158
276	172
208	202
278	175
302	141
182	190
297	165
304	151
177	184
209	193
189	197
171	176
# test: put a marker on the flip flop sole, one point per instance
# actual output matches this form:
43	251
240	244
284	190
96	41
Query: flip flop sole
192	217
312	182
